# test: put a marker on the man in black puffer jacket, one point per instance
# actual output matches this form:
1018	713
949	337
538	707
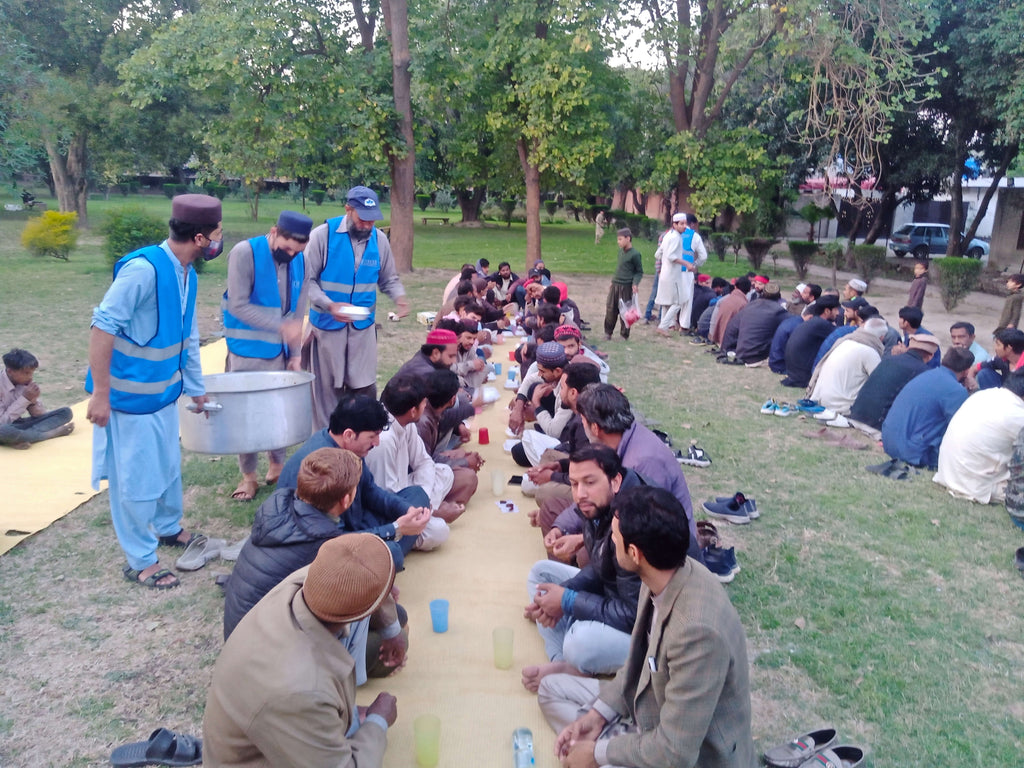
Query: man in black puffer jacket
288	531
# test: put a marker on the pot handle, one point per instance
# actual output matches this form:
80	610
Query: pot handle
206	407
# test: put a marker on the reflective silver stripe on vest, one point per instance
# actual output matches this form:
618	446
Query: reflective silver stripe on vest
338	287
365	287
253	335
152	354
144	387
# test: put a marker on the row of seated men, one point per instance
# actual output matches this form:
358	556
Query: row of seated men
619	508
929	409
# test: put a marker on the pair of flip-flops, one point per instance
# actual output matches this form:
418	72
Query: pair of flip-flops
815	749
164	747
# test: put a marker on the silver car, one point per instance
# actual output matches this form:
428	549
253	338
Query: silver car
923	241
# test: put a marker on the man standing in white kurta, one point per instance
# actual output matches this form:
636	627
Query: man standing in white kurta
670	280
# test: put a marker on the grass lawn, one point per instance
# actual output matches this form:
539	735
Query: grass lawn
889	610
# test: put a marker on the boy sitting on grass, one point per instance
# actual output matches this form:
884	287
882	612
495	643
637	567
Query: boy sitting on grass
18	394
288	531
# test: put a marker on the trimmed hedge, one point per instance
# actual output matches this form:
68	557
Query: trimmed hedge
870	261
129	229
757	249
958	276
803	253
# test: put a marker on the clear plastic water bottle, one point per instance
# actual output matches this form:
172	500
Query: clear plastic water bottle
522	748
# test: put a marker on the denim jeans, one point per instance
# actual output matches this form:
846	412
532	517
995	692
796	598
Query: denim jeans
591	646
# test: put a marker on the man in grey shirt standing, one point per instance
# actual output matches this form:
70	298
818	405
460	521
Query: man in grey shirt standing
347	260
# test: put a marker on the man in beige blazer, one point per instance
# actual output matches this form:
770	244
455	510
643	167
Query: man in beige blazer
284	687
683	698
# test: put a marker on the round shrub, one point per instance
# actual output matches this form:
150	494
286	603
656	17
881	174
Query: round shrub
803	253
128	229
958	276
51	234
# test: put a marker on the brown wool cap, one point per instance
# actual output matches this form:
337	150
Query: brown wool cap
349	579
925	342
772	290
200	210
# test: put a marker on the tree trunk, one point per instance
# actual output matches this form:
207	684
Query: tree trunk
402	160
470	202
69	179
956	214
683	192
531	175
365	22
886	209
1009	153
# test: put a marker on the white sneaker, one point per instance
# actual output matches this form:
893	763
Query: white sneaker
839	421
529	488
827	415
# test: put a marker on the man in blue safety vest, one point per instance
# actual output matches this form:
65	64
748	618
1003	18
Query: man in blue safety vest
263	309
347	260
143	355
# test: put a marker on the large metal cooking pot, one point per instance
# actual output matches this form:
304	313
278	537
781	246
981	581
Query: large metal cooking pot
249	412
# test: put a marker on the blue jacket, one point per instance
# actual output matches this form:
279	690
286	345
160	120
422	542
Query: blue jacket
373	510
913	428
341	282
246	341
146	374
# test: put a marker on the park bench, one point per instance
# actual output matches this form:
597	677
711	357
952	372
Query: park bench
442	219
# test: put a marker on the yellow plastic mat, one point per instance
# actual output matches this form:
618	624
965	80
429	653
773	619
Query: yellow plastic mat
51	479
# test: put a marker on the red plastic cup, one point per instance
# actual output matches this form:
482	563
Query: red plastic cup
485	436
512	355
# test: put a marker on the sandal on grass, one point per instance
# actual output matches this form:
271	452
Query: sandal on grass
844	756
246	490
165	747
172	540
800	748
132	575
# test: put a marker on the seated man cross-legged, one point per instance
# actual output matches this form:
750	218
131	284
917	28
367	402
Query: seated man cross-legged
584	615
401	459
402	519
283	689
18	394
683	696
290	528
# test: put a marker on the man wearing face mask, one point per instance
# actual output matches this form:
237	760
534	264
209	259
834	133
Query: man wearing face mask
347	260
263	308
143	355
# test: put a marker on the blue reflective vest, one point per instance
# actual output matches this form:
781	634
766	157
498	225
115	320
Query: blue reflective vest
688	254
244	340
145	376
340	284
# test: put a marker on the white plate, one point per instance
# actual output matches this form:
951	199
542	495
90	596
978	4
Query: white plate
358	313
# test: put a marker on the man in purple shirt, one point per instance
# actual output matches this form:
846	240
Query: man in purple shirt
607	418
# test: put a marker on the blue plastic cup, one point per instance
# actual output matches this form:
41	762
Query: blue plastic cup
497	369
439	615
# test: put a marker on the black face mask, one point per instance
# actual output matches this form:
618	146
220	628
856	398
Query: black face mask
281	256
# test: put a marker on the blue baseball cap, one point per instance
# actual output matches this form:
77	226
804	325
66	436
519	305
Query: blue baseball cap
296	223
364	201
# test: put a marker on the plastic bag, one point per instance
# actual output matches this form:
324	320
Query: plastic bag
629	311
